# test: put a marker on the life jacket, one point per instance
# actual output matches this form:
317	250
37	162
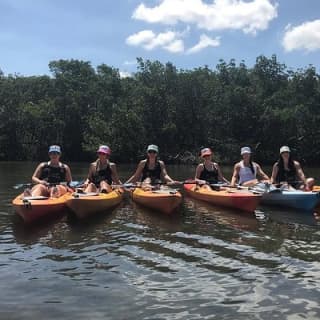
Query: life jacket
154	174
104	174
289	176
211	176
246	174
53	174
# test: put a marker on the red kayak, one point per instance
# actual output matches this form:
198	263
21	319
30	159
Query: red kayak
227	197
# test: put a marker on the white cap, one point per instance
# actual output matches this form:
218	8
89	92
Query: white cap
284	149
245	150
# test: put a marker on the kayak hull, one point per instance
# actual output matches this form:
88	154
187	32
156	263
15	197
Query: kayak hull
241	200
31	210
301	200
85	206
165	201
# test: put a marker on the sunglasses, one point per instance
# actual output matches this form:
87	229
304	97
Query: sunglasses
152	151
102	153
54	153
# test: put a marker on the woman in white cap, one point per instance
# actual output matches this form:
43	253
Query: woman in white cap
287	171
246	171
151	170
208	171
102	173
49	175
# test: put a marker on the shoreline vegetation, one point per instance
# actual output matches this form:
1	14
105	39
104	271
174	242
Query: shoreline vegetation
182	111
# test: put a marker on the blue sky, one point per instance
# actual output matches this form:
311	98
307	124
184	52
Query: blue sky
188	33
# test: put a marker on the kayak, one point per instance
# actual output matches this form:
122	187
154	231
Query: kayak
86	204
296	199
34	208
165	201
228	197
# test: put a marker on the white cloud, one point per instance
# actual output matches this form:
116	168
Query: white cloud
305	36
125	74
130	63
149	40
203	43
248	16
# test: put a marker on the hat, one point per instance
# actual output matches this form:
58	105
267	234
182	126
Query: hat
284	149
245	150
153	147
54	148
205	152
104	149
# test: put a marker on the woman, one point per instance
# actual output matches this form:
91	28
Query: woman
208	171
151	170
102	173
49	175
287	171
245	172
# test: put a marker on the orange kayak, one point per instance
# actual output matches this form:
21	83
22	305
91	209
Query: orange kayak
237	199
84	205
165	201
34	208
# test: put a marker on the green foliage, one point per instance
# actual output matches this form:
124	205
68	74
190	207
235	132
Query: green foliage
81	107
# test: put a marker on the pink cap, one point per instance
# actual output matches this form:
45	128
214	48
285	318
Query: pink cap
104	149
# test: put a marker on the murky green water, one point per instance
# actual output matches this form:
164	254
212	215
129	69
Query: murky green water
203	262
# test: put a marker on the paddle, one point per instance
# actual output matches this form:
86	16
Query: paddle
72	184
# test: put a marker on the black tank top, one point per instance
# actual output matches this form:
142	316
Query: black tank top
289	176
154	174
102	175
210	176
53	174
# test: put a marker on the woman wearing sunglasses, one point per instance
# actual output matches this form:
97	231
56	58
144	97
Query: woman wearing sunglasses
151	170
49	175
102	173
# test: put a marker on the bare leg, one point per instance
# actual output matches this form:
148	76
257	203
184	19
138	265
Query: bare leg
91	188
105	187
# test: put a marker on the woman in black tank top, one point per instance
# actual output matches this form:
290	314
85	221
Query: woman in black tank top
102	173
208	171
287	171
49	173
151	170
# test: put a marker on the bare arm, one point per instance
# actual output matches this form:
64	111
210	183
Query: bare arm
136	176
220	175
37	173
235	174
199	169
164	173
114	173
274	174
299	171
68	174
261	173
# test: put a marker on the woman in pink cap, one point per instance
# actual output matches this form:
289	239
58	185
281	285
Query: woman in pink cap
289	172
102	173
208	171
49	175
246	171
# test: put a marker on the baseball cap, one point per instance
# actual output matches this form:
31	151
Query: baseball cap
54	148
245	150
153	147
104	149
284	149
205	152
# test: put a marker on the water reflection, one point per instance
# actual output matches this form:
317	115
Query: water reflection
203	262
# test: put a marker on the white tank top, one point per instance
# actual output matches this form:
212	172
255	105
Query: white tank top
245	173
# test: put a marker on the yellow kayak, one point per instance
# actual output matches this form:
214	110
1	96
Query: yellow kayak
165	201
86	204
35	208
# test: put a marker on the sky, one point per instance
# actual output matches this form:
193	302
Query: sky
187	33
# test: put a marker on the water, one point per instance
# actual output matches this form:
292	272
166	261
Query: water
203	262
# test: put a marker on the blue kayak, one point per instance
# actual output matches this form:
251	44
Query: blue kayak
296	199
